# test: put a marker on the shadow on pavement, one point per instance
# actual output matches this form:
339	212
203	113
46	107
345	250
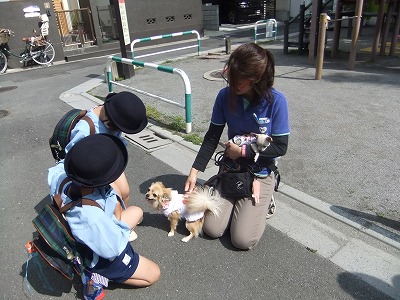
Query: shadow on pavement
39	278
369	221
363	290
169	180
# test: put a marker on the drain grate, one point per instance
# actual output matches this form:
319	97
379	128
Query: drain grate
147	140
4	113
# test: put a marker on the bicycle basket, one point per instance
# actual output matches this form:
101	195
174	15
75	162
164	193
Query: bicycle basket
4	36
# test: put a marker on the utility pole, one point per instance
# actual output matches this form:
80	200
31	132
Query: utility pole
124	70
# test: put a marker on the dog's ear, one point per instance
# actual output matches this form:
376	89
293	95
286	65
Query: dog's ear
159	183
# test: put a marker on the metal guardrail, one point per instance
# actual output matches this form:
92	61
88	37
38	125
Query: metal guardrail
270	30
188	91
170	35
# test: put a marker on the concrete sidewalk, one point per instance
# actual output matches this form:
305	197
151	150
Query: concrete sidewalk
371	251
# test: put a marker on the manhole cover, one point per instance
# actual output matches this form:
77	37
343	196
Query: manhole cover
7	88
213	75
4	113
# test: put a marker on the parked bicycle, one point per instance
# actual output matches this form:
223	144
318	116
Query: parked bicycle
37	49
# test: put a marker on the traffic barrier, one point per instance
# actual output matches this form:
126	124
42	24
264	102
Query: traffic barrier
188	91
270	30
170	35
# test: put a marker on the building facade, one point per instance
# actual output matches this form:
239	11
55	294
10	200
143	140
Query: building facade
77	26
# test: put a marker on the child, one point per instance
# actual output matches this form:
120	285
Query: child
121	112
87	171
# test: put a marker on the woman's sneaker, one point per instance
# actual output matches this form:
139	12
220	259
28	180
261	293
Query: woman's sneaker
271	208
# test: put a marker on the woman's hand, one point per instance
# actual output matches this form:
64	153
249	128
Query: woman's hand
191	181
233	151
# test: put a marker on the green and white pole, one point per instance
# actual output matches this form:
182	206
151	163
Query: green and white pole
188	91
164	36
108	74
270	29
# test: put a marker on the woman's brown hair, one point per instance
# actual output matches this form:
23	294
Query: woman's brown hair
252	62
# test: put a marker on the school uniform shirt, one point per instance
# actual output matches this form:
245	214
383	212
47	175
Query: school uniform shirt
97	228
82	129
271	119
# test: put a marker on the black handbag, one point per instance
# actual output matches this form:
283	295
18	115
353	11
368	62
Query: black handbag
236	185
233	184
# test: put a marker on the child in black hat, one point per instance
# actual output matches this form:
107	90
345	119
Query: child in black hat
88	170
121	112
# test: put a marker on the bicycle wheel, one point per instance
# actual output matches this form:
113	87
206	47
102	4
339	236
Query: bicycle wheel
3	62
43	55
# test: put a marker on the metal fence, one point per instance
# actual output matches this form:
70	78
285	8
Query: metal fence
269	34
170	35
187	106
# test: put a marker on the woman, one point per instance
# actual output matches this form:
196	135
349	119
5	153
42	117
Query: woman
87	171
248	105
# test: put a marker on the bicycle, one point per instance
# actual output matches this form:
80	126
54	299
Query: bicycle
37	49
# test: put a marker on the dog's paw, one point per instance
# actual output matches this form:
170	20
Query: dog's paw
171	233
186	239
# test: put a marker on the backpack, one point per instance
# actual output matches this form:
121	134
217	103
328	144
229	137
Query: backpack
55	242
62	132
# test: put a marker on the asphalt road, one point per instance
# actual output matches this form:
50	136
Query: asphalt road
278	268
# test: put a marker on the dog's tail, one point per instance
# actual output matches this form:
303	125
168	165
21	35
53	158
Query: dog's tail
201	200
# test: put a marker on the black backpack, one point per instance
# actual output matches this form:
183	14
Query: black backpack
62	131
55	242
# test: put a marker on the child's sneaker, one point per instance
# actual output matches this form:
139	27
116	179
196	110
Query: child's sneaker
132	236
92	290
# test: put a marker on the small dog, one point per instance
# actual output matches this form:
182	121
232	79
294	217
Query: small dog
258	142
191	207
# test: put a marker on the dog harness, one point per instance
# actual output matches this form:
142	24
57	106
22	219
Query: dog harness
177	203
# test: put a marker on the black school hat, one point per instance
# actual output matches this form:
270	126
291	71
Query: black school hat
96	160
126	111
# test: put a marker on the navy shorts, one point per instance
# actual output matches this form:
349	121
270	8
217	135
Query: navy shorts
121	268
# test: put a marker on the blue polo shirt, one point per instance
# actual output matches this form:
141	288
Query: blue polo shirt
271	119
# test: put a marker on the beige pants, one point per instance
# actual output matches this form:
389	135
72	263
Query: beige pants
244	217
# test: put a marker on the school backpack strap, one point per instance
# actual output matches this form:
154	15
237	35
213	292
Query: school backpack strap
62	132
91	124
57	201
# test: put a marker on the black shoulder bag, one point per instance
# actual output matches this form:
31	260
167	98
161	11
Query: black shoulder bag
234	183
